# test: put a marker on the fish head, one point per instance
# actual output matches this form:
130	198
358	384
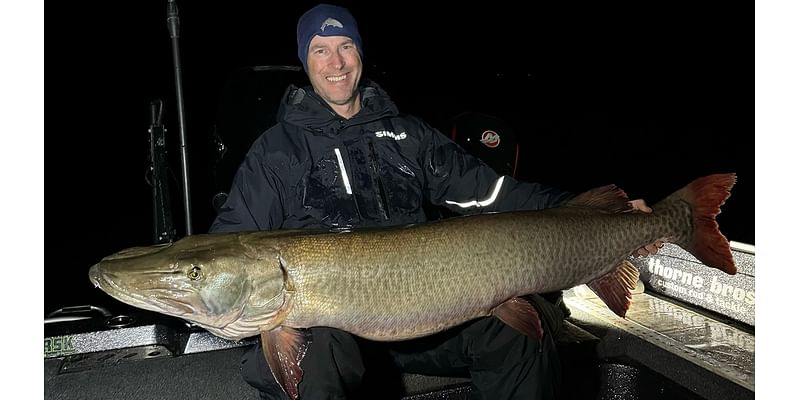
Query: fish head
205	279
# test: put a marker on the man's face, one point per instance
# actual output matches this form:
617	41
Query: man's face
334	68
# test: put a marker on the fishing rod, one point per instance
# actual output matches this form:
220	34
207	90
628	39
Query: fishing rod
173	23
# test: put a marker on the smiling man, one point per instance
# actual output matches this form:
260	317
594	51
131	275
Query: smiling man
342	157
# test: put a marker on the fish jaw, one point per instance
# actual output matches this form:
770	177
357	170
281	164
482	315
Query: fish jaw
149	300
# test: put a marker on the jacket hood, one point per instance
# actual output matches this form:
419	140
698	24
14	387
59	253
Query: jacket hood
302	107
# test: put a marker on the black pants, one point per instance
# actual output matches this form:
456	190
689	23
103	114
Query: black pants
501	362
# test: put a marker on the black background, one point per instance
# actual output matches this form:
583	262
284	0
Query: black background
645	96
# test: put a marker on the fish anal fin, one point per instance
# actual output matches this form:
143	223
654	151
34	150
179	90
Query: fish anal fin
519	314
615	287
284	349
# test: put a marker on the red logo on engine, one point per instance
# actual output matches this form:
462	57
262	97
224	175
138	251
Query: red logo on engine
490	138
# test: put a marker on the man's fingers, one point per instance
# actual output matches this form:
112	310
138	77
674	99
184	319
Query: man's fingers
650	249
640	205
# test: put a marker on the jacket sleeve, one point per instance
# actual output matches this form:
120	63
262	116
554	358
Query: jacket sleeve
254	201
466	185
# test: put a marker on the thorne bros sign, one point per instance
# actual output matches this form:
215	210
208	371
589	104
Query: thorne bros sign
679	275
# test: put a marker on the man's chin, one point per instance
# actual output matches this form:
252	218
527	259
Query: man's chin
340	99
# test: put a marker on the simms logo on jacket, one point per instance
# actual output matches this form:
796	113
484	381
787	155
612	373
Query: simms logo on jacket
400	136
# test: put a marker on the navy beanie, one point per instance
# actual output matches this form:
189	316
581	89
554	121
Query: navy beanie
325	20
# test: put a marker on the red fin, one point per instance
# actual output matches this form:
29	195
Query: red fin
517	313
615	287
609	198
284	349
706	195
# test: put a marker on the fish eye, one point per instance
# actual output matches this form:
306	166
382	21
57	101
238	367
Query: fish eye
195	273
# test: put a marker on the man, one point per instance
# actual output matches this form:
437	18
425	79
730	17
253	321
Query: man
341	157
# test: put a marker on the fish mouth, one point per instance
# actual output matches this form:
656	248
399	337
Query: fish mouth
158	300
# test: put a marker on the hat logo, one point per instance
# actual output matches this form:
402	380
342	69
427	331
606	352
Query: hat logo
331	22
490	138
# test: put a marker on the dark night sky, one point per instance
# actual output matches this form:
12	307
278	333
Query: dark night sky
645	97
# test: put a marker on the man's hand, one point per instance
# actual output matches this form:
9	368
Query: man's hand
652	248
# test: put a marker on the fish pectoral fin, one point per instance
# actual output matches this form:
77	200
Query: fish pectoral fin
284	349
519	314
615	287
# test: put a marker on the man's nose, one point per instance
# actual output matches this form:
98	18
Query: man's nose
337	60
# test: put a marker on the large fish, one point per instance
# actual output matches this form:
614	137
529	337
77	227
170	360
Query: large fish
411	281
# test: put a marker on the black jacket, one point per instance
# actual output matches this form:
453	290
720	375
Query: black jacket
315	169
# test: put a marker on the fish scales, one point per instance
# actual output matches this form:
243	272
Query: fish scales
408	282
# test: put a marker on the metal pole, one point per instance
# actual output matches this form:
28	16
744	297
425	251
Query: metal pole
174	27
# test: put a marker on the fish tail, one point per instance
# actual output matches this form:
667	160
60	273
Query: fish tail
705	196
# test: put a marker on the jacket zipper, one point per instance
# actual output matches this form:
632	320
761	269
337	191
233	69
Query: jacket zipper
377	183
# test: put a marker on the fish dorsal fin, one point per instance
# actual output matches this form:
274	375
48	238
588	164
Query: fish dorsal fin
615	287
517	313
609	198
284	349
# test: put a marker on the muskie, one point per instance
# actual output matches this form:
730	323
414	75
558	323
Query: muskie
406	282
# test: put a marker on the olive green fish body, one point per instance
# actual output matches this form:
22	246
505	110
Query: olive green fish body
403	283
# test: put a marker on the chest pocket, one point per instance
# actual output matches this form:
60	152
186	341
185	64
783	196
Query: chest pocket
326	195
